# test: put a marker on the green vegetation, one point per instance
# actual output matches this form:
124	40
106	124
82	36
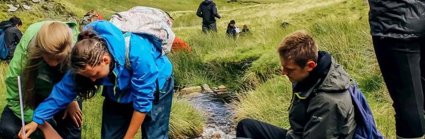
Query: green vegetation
250	64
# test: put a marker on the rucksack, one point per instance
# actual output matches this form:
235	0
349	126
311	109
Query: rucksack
147	21
4	50
366	127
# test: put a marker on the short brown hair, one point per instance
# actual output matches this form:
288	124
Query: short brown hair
300	47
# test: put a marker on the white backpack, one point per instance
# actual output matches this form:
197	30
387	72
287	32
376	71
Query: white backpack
147	20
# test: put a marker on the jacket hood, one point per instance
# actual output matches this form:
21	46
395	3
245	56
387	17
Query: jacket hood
113	37
336	80
207	2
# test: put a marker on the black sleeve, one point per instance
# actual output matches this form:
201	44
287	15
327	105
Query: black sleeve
12	36
214	11
199	11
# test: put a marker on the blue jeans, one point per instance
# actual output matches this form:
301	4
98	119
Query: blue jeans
116	117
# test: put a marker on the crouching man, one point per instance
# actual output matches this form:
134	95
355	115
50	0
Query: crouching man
321	107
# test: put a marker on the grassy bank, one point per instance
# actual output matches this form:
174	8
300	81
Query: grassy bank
249	65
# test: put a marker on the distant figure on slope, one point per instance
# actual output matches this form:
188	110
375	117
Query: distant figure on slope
208	12
245	30
232	30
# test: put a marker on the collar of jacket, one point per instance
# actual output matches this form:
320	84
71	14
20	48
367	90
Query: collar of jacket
304	88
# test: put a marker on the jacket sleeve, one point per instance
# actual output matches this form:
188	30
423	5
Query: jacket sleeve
214	11
199	11
12	36
15	68
11	81
61	95
145	74
323	122
18	35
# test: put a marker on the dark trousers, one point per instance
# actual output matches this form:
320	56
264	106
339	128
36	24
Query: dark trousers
116	117
10	125
402	63
209	27
253	129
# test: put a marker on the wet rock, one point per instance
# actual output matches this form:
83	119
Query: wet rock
216	136
219	116
207	89
189	90
220	89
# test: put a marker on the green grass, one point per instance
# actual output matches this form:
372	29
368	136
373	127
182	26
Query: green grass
250	64
185	121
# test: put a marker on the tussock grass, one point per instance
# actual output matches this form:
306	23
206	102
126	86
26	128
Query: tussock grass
250	63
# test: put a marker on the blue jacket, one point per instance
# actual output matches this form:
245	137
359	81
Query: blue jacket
136	85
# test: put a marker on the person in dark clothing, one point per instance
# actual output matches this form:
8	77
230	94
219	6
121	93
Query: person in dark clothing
208	12
398	33
231	29
321	106
12	35
245	30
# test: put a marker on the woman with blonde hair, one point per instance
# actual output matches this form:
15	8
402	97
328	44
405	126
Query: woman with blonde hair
136	78
40	58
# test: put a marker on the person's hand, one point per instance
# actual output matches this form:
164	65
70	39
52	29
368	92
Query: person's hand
49	132
73	110
29	129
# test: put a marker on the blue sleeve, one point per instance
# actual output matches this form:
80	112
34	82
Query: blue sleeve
61	95
145	73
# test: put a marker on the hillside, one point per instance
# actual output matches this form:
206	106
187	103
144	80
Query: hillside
248	65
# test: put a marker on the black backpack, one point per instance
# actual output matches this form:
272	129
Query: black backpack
4	50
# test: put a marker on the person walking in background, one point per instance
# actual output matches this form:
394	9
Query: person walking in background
398	34
208	12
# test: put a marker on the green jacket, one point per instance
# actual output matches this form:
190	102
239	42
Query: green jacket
43	85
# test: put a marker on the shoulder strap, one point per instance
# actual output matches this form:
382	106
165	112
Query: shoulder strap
157	92
127	37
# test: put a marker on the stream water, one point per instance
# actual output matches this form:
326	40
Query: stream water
219	116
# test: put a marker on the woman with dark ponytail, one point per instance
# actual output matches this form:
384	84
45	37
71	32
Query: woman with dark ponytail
135	75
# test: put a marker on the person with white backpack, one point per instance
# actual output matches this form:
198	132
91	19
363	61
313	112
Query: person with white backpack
136	78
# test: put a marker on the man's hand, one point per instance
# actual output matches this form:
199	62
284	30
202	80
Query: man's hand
73	110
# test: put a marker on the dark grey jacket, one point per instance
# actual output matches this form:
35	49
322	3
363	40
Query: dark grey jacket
324	111
12	37
208	11
400	19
